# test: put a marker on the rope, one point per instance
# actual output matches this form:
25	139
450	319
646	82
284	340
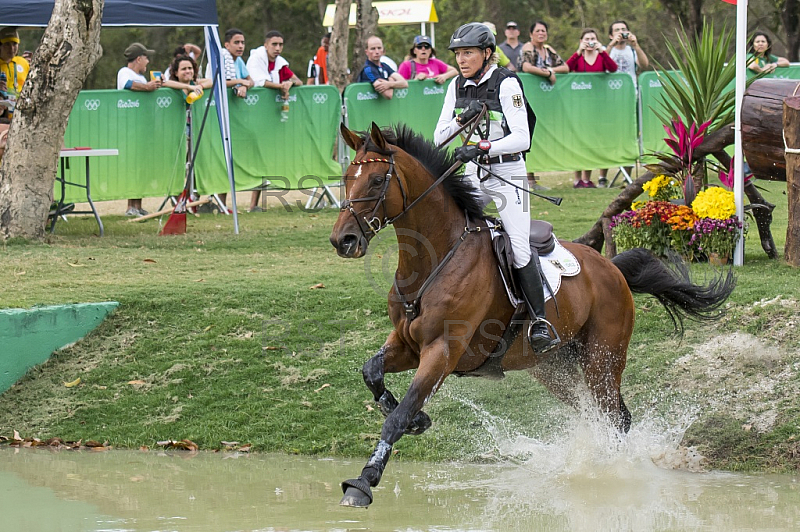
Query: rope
786	148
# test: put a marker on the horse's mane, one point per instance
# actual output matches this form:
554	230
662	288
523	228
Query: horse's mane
437	161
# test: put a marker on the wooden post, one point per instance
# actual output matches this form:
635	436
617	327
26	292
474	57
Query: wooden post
791	130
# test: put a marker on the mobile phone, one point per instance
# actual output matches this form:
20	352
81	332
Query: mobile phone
155	75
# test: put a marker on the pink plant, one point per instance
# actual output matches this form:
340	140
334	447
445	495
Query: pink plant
683	141
727	177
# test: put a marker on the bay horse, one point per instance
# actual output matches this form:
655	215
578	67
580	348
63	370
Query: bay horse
459	307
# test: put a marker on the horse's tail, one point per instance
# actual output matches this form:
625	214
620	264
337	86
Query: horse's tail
673	287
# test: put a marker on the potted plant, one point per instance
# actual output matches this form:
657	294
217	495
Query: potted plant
717	230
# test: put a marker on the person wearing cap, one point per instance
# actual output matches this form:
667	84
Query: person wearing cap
511	46
131	77
14	67
423	65
494	154
383	78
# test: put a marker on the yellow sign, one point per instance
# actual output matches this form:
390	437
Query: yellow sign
398	12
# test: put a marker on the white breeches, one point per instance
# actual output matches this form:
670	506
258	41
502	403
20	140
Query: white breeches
513	205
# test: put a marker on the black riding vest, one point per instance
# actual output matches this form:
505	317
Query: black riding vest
489	94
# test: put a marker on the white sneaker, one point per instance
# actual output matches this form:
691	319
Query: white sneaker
132	211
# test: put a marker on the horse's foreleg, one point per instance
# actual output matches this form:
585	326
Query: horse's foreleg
393	357
427	380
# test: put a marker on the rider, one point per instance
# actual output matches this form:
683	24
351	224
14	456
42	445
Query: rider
497	145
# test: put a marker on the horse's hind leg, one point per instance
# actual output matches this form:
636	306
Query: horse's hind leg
394	356
559	372
602	369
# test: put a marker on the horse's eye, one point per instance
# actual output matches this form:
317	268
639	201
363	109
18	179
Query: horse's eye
378	179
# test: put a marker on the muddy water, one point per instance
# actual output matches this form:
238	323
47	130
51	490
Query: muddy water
143	491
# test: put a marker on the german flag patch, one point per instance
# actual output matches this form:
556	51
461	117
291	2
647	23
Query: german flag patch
517	100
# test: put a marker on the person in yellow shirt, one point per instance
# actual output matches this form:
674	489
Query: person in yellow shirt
14	66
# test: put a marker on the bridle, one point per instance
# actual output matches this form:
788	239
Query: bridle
371	224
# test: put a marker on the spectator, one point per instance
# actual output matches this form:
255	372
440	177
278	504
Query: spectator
511	46
502	59
131	77
318	67
185	69
760	48
423	65
539	58
14	67
269	69
192	50
382	77
27	55
624	49
590	57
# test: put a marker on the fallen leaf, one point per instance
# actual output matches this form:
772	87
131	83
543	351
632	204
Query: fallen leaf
229	443
17	436
73	383
245	448
137	382
150	261
20	273
270	348
306	404
92	443
75	265
326	385
369	408
318	285
207	328
199	280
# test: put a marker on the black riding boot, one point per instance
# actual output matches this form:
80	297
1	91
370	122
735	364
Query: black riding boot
531	283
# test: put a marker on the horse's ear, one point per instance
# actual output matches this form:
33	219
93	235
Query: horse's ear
377	137
351	138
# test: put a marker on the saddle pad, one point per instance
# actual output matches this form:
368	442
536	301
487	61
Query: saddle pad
557	264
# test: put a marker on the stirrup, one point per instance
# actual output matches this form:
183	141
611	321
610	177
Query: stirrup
552	341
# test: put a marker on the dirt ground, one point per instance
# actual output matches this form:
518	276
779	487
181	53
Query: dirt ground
269	199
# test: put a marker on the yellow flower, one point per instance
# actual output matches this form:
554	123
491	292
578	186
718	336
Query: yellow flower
636	205
714	202
662	188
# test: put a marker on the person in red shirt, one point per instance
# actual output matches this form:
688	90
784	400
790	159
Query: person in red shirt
590	57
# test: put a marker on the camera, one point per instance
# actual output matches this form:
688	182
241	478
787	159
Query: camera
591	44
625	35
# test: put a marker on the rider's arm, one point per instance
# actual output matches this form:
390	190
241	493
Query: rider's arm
447	124
513	104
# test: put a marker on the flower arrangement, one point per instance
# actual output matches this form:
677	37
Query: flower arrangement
715	236
663	188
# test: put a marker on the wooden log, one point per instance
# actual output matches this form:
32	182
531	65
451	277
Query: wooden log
762	139
791	129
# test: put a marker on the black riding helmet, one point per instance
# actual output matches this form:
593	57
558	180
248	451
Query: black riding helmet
475	35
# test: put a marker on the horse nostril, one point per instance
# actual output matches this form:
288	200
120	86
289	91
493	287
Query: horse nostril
347	244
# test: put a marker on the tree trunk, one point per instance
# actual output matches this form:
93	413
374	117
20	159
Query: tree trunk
791	125
790	17
69	50
337	59
366	27
762	134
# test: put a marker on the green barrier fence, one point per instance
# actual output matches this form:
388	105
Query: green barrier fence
146	128
574	117
294	154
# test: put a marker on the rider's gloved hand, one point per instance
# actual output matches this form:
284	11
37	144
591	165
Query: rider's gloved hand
472	110
466	153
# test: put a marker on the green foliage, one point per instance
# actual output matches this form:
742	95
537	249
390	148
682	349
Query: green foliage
701	92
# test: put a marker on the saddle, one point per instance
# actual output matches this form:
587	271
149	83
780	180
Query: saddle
554	262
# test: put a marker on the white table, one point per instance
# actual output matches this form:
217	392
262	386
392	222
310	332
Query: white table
86	153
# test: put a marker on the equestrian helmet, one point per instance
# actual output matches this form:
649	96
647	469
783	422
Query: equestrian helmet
473	34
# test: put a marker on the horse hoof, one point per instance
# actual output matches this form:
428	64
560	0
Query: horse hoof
356	493
419	424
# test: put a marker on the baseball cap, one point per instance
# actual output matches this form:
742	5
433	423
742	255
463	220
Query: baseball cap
422	39
135	50
511	24
9	34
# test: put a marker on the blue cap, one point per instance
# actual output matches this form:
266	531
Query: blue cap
422	39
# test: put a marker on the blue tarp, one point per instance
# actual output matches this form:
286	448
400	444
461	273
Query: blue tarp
118	12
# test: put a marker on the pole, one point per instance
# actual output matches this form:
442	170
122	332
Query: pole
738	167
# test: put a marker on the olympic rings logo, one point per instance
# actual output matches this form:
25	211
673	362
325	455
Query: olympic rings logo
320	97
401	93
251	99
545	86
615	84
91	105
164	101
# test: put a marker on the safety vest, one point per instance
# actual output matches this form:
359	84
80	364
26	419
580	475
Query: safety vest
489	94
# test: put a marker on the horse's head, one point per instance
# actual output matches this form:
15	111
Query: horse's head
372	201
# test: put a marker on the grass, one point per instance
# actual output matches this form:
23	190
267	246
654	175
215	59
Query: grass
260	337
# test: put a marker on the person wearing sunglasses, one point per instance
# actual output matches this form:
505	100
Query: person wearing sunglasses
422	63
